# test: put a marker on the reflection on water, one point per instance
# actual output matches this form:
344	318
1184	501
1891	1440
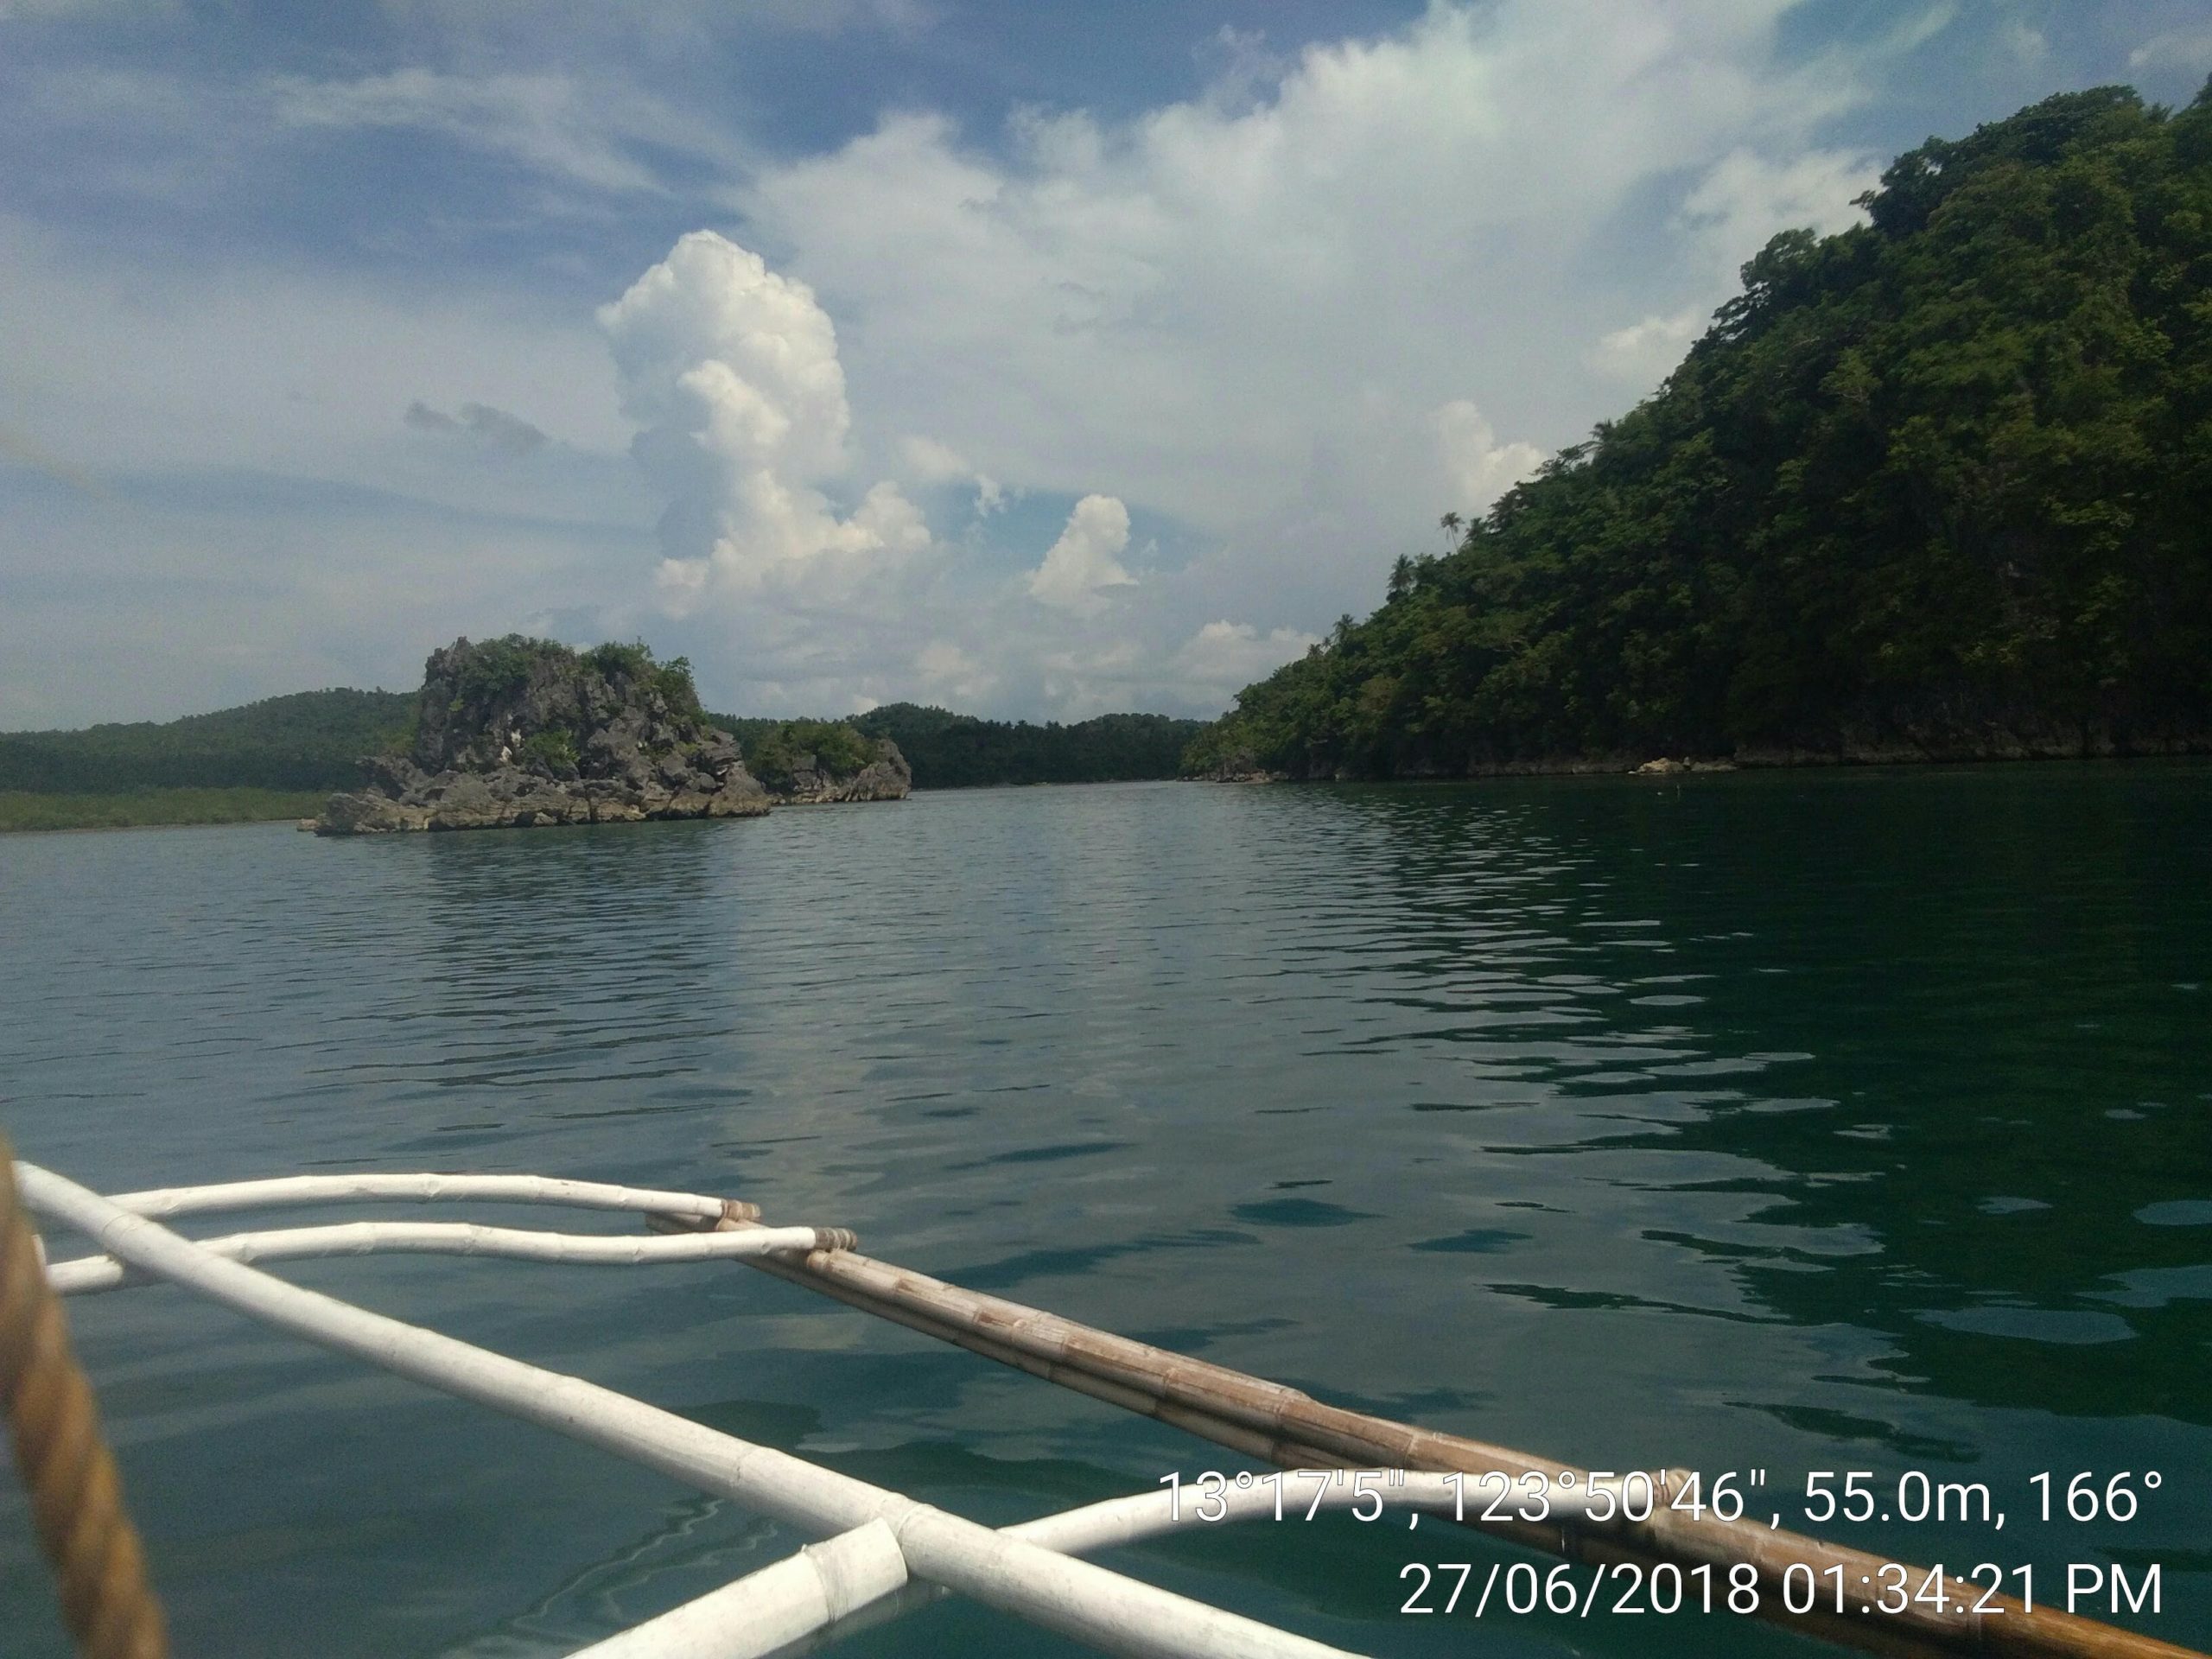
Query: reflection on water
1859	1119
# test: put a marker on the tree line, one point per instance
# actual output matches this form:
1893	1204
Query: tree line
315	740
953	751
307	741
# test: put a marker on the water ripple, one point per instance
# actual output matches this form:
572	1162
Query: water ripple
1770	1121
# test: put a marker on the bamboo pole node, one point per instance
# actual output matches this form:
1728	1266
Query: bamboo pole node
99	1567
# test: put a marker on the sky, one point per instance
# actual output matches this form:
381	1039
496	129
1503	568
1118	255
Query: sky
1033	360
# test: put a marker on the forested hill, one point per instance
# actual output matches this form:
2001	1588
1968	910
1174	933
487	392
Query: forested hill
1941	485
314	740
949	751
308	740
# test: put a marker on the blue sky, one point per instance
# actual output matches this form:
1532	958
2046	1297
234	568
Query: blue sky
1031	359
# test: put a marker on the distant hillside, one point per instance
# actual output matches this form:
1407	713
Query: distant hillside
1934	487
308	740
949	751
312	740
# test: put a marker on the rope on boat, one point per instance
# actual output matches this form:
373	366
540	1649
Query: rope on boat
76	1496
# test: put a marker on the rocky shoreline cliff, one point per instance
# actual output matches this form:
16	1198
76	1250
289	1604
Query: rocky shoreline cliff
814	782
518	733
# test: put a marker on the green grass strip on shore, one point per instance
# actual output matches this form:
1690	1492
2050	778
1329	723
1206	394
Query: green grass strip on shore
29	810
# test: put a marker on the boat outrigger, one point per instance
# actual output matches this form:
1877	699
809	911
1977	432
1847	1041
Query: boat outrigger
883	1553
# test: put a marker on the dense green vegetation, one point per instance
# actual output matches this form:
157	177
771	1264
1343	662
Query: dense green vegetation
774	747
281	757
557	692
498	668
309	740
222	767
29	810
1941	484
949	751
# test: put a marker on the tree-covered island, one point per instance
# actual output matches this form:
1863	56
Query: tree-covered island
1938	487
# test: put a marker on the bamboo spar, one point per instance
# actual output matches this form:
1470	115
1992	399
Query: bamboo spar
288	1190
90	1274
1261	1419
829	1590
1291	1429
1117	1614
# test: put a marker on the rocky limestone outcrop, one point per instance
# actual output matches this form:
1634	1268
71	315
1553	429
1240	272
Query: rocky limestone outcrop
1239	766
813	783
516	732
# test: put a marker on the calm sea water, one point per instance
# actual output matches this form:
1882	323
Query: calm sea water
1789	1122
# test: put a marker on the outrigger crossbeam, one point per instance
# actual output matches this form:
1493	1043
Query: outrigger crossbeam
884	1552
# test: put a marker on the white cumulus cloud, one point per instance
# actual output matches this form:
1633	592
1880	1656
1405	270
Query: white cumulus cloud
1222	658
1644	353
1746	197
1082	568
2189	49
1248	307
732	372
951	674
927	461
1480	467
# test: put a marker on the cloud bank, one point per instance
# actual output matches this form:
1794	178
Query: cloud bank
1299	316
1039	409
1293	320
810	591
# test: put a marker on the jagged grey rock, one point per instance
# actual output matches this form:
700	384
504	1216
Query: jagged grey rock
887	777
516	734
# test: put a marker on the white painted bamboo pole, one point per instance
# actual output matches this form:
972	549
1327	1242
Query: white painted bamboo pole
771	1609
92	1274
1260	1419
1115	1614
1289	1495
341	1189
762	1613
1119	1521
